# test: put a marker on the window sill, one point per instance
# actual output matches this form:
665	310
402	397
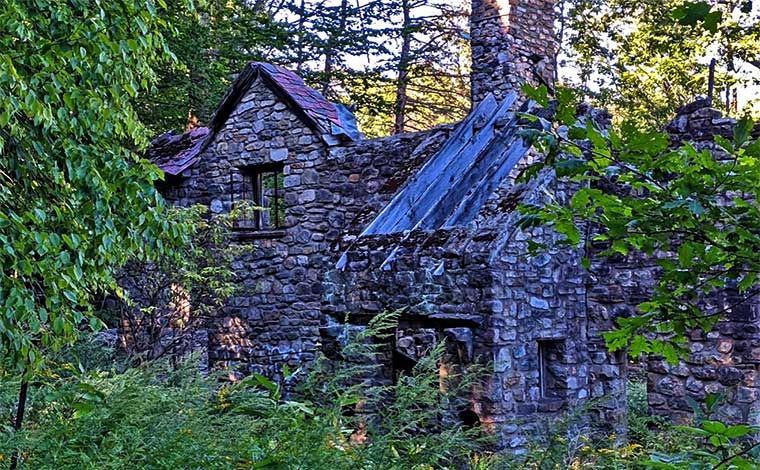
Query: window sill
243	234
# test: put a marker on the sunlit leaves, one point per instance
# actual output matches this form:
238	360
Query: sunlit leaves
690	212
538	94
645	59
75	200
726	443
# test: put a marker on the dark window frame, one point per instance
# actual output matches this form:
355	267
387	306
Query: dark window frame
252	190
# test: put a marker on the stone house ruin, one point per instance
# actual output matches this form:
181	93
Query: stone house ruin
423	222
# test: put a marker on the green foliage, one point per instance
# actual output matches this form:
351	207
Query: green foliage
399	426
350	51
645	59
694	212
168	300
721	447
652	443
151	418
644	429
331	416
713	444
159	417
210	45
75	201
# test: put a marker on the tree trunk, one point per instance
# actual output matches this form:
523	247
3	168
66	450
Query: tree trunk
300	57
22	392
560	40
330	47
195	102
403	69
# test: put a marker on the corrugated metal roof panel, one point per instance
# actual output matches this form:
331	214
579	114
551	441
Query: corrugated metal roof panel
452	186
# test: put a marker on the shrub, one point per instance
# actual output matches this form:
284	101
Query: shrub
645	429
163	417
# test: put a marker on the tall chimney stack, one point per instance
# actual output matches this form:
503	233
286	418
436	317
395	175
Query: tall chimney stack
512	43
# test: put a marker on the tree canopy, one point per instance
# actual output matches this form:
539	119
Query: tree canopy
400	63
645	59
75	199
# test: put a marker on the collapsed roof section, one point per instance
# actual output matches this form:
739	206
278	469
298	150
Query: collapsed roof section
452	186
175	153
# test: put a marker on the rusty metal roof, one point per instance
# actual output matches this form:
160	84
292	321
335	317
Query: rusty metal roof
174	153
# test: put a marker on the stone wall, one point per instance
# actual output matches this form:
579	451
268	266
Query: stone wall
544	329
725	360
437	288
366	175
477	286
275	317
512	43
480	288
721	361
537	319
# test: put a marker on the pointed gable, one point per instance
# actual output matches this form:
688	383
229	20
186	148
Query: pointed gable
174	153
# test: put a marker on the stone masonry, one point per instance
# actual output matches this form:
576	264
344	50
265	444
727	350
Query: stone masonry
275	318
538	320
479	288
725	360
512	43
474	285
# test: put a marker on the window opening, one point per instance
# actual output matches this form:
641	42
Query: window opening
261	198
469	418
551	368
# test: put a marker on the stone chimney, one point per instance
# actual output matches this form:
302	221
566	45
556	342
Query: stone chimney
512	43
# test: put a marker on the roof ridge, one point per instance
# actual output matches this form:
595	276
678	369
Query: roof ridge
333	122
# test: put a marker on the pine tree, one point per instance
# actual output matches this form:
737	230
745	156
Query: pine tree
211	46
431	80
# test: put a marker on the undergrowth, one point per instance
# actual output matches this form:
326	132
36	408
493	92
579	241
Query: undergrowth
93	411
109	416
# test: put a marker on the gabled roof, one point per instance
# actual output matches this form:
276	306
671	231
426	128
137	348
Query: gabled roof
453	185
174	153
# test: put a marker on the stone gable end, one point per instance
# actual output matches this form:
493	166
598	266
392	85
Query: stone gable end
261	130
